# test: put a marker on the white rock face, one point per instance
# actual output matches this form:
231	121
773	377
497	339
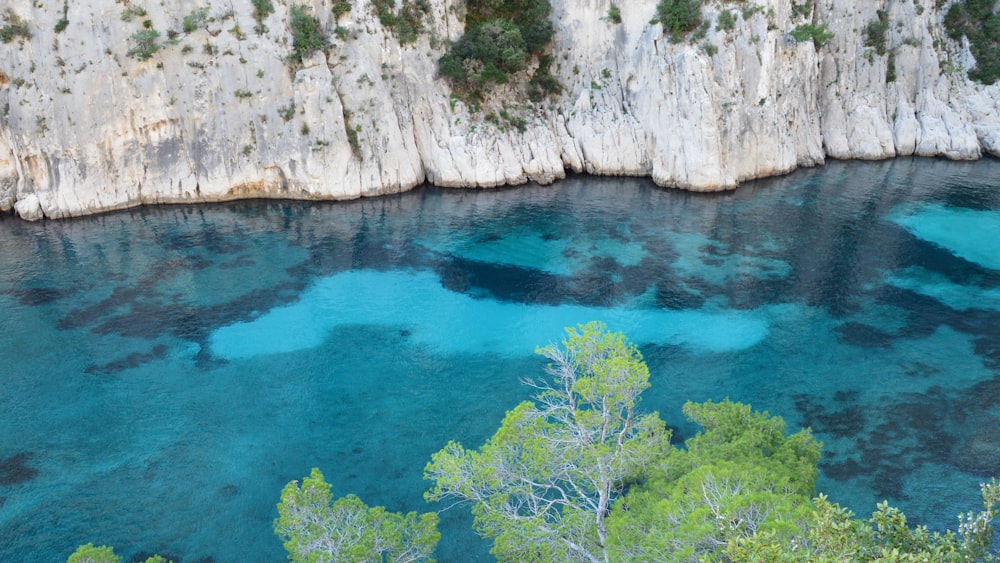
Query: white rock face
219	113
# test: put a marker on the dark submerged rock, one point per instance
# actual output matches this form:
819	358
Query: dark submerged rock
15	469
865	336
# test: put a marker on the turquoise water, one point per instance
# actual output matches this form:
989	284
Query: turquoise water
165	371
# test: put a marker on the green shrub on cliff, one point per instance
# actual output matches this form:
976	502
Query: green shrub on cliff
92	554
876	33
261	9
833	535
976	20
13	27
501	37
679	17
407	23
195	19
818	34
145	44
104	554
307	33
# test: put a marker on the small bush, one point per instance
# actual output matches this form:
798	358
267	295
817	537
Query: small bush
195	19
487	54
876	33
63	22
542	83
726	21
408	23
679	17
340	7
500	37
144	44
818	34
132	12
803	10
975	20
352	134
614	13
13	27
702	31
307	34
261	9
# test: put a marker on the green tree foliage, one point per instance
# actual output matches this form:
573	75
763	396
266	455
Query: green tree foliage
131	12
679	17
145	44
307	33
803	10
976	20
818	34
340	7
261	9
543	485
317	529
500	38
488	53
104	554
91	554
740	476
834	535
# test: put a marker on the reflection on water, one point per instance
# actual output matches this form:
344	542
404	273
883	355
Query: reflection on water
167	370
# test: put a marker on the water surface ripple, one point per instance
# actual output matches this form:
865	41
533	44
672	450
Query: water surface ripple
165	371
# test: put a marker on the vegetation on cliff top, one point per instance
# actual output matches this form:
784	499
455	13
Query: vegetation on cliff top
501	38
679	17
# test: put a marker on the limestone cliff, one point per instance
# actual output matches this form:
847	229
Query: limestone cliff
219	112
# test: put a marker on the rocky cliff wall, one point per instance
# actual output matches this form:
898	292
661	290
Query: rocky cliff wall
220	113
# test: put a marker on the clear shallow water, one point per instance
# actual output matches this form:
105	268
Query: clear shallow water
165	371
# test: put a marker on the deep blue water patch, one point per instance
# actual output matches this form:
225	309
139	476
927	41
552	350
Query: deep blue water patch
167	370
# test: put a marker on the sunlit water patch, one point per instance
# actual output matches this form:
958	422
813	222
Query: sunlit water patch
961	297
969	233
167	370
454	323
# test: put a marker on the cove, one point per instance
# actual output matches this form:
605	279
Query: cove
166	370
